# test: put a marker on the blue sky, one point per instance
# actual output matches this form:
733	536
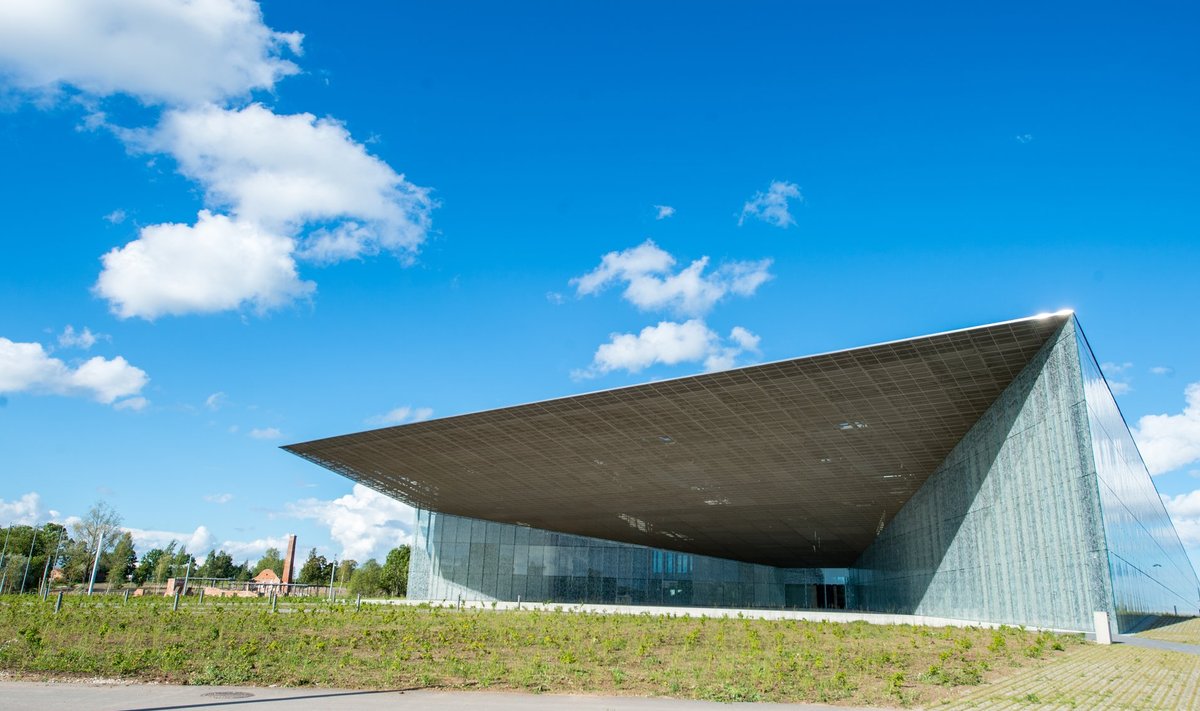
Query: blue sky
287	221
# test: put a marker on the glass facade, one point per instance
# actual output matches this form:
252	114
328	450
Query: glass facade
1041	515
1151	573
1007	530
462	558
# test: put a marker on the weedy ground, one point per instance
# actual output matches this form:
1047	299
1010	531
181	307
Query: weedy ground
405	647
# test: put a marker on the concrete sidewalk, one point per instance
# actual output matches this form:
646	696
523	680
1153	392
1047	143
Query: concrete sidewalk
116	696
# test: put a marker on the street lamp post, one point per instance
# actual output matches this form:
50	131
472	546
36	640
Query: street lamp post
95	564
332	572
4	559
28	558
187	574
50	559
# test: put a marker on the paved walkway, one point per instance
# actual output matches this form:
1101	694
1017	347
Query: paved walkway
163	697
1135	641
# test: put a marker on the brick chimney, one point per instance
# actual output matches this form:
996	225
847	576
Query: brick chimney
289	563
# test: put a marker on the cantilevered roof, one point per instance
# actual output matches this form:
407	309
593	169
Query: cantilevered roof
797	463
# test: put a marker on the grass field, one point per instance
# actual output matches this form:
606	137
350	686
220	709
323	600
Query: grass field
318	644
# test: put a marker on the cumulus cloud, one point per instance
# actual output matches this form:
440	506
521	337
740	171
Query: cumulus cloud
253	550
278	187
160	51
218	498
26	367
772	206
651	283
282	172
115	217
1185	514
26	511
215	265
725	355
1168	442
366	523
198	541
266	433
401	415
1117	375
663	212
70	338
1162	370
670	343
296	187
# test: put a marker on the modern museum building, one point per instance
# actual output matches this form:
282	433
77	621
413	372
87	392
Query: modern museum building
981	474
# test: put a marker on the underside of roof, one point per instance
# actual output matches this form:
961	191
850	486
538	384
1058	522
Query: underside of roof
798	463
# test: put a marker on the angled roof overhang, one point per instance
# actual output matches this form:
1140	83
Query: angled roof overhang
797	463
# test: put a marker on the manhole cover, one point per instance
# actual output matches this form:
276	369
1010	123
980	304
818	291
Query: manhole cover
228	694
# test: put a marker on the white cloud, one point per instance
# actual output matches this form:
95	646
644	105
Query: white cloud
283	172
555	298
197	542
218	498
1185	514
1162	370
1116	375
400	415
725	356
266	433
160	51
137	404
366	523
26	367
296	187
670	343
652	285
1168	442
215	265
70	338
287	186
1024	137
253	550
214	401
772	206
26	511
663	212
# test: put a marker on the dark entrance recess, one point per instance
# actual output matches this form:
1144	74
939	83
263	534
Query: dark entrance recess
830	597
814	597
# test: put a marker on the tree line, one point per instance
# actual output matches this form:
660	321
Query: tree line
368	579
28	554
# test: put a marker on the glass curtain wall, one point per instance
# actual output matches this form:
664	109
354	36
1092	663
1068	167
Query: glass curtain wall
469	559
1151	572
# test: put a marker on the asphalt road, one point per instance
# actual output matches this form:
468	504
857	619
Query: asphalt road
162	697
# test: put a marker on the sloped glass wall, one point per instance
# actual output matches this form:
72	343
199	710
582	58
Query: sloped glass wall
1151	572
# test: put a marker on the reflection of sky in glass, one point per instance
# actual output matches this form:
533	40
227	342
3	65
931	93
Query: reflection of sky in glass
1150	570
457	557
